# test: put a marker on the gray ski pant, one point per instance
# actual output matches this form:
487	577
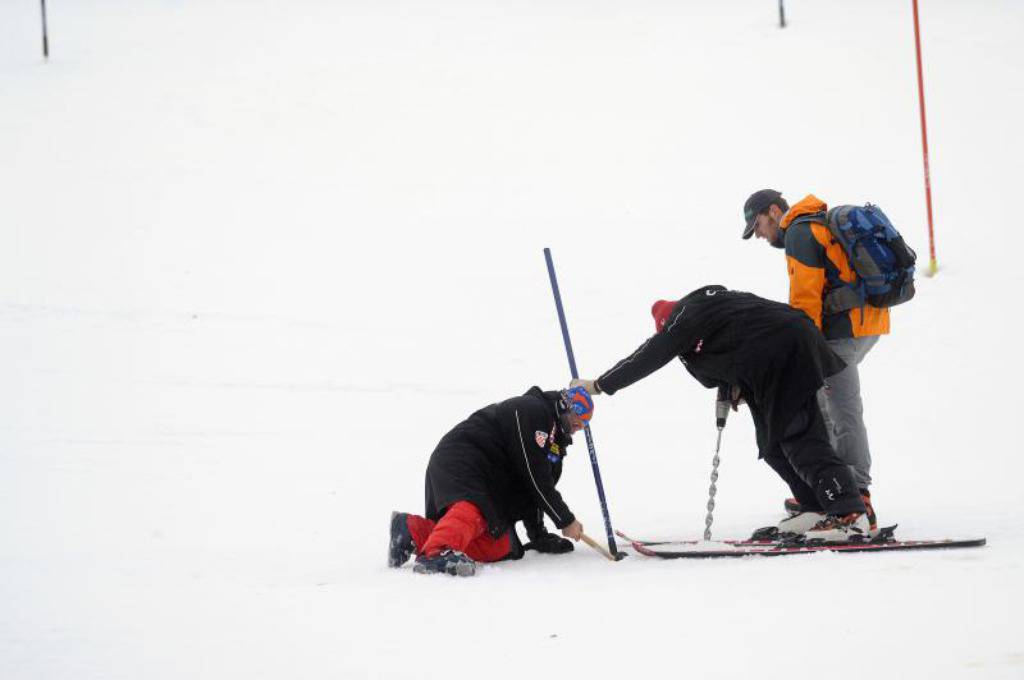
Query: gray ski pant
843	409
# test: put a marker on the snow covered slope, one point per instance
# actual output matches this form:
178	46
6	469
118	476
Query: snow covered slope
257	257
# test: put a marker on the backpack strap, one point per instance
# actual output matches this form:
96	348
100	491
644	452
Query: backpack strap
819	217
843	295
838	296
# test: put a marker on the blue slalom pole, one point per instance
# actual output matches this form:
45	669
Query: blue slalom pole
586	430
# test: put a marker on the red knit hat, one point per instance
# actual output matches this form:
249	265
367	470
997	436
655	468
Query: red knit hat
660	310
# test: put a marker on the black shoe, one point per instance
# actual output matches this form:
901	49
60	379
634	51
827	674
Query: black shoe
549	543
401	546
448	562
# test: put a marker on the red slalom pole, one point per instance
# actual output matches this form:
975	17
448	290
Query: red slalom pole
933	265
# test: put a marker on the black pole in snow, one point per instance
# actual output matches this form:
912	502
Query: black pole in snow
782	15
46	37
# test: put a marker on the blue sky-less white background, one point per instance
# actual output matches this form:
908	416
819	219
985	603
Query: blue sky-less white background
257	257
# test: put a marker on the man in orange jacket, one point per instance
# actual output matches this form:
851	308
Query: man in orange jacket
817	264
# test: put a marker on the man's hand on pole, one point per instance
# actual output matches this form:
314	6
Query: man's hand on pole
573	531
589	385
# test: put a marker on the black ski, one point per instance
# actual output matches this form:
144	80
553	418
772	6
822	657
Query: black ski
690	541
789	546
775	550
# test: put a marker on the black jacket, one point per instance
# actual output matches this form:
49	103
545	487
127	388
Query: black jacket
771	351
506	459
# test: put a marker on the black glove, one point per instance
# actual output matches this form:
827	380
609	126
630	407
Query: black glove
549	543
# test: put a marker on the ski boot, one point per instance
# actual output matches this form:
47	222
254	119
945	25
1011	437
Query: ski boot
852	528
800	522
865	496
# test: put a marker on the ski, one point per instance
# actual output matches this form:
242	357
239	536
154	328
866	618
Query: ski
794	546
732	550
693	541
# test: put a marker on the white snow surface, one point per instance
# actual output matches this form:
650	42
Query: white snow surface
259	256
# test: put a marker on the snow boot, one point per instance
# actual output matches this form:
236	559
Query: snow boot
447	562
852	528
800	522
401	546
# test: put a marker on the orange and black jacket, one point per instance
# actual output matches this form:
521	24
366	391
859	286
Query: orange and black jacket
817	264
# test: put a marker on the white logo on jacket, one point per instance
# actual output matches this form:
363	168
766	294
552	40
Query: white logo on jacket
542	438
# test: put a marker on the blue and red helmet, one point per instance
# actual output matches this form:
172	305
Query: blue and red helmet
579	401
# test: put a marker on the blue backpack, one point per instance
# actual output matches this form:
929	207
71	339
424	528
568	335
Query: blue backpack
883	262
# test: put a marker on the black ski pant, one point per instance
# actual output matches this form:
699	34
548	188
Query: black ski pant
806	461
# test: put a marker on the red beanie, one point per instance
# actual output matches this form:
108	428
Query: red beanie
660	310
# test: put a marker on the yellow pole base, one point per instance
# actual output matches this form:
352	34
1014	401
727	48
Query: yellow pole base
933	267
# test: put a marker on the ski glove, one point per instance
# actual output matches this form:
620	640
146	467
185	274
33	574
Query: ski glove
589	385
549	543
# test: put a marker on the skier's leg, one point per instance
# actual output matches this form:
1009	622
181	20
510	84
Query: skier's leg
844	410
800	490
486	548
462	526
419	528
806	446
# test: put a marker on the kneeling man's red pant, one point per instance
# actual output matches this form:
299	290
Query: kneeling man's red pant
462	528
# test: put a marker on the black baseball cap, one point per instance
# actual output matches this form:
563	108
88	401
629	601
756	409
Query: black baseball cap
758	202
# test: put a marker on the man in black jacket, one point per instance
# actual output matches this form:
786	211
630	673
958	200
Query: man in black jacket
771	356
495	468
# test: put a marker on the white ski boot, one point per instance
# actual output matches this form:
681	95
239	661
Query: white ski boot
801	522
852	528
